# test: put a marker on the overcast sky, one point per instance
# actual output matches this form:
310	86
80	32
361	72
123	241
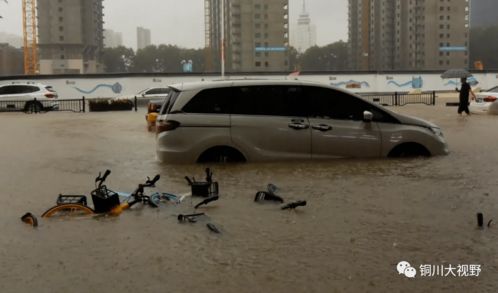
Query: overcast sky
181	22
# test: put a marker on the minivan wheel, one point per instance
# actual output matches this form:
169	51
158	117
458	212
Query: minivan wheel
33	107
221	154
409	150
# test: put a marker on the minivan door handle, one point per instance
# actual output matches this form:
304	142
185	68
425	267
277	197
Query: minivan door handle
322	127
298	126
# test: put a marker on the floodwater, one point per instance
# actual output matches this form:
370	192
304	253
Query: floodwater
362	217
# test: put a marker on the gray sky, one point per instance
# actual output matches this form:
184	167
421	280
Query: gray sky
181	22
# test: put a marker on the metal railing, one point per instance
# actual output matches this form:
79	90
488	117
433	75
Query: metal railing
401	98
36	106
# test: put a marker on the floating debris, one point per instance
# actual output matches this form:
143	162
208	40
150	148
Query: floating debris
206	201
480	220
293	205
213	228
190	217
30	219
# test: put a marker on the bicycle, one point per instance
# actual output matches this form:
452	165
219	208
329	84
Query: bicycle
104	200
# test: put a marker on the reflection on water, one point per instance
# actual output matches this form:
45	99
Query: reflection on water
362	217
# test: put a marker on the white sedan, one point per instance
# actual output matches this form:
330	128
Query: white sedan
486	102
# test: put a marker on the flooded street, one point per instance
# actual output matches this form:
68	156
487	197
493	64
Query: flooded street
362	217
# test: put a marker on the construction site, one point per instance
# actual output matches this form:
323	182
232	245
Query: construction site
63	37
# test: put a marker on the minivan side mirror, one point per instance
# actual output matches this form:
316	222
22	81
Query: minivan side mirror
367	116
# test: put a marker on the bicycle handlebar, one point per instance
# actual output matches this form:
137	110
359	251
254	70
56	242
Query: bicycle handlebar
148	183
152	182
101	178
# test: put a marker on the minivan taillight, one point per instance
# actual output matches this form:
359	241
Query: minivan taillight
51	95
162	126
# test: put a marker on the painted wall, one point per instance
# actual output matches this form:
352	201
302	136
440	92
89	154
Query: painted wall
120	85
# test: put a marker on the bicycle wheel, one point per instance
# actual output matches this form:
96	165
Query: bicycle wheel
67	209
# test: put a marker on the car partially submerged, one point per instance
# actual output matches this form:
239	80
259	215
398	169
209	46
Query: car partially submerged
264	120
27	96
148	94
485	102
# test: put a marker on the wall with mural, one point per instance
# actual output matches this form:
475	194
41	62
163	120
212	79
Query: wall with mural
122	85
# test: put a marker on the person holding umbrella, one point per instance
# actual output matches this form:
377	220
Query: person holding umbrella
465	90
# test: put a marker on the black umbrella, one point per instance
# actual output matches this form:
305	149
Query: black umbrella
456	73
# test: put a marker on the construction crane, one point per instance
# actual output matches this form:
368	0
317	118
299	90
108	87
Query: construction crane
30	34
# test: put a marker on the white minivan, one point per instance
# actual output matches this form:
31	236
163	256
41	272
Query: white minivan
264	120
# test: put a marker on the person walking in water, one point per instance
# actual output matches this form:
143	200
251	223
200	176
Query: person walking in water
465	90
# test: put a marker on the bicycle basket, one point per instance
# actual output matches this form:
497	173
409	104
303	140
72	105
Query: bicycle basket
104	199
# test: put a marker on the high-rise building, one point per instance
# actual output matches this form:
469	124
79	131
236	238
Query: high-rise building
70	36
143	37
11	60
256	34
483	13
304	35
408	35
112	39
359	34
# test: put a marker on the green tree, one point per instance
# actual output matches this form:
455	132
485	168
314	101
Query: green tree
484	46
332	57
119	59
147	60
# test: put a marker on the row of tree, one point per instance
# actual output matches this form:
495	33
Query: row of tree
170	59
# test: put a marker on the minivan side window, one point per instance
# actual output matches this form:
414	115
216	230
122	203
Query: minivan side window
275	100
158	91
213	101
332	104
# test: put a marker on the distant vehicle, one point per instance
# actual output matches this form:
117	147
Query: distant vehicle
148	94
156	92
486	102
153	108
264	120
22	95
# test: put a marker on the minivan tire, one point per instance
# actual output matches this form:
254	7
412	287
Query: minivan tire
221	154
409	150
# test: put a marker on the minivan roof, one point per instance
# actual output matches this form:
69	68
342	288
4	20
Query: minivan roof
198	85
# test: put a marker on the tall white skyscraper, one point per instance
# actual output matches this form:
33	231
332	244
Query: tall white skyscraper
305	33
143	37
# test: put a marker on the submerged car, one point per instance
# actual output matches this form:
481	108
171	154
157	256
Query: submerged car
145	96
27	96
485	102
262	120
153	108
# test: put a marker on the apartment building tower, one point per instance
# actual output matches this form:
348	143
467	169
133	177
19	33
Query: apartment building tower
70	36
143	37
408	34
112	39
256	34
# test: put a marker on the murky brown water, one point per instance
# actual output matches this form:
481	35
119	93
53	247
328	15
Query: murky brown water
362	218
